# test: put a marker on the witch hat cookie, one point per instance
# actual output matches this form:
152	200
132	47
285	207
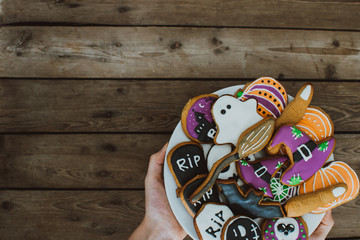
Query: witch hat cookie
306	156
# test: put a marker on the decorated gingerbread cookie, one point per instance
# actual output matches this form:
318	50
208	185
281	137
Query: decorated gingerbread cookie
185	192
270	95
210	220
186	160
259	173
306	156
285	229
196	119
281	193
316	124
233	117
249	204
335	172
216	153
241	228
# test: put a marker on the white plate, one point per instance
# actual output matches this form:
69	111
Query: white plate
181	214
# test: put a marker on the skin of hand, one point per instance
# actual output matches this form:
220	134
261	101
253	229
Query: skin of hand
159	222
324	228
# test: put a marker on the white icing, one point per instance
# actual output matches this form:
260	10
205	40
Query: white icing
234	121
305	94
290	235
216	153
338	191
211	220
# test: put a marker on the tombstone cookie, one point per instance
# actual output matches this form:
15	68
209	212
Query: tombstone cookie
196	119
210	220
216	153
186	160
259	173
249	204
285	229
270	95
185	192
241	228
306	156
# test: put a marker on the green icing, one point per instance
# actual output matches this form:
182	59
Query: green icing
266	231
239	94
304	235
295	180
279	190
296	133
244	163
323	146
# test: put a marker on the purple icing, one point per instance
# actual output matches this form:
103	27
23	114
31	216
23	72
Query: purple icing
271	89
285	229
302	170
265	103
259	174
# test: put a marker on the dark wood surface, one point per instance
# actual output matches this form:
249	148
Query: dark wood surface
89	89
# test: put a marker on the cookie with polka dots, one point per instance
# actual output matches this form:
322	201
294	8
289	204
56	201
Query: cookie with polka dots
285	229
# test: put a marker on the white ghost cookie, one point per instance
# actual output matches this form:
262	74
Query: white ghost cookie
217	152
233	117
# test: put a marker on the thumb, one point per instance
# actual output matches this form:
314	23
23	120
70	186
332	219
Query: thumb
156	163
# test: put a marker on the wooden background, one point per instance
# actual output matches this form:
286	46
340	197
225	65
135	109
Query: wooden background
89	89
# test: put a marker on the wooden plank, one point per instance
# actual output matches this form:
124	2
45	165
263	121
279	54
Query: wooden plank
102	215
338	14
137	106
101	160
158	52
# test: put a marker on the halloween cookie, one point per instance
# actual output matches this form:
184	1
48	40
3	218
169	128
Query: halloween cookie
281	193
270	95
285	229
306	156
316	124
335	172
196	119
210	220
233	117
250	203
186	160
295	110
185	192
241	228
216	153
259	173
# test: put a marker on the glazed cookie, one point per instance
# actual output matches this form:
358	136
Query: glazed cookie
217	152
285	229
251	141
233	117
316	124
196	119
270	95
305	155
241	228
210	196
186	160
335	172
249	204
295	110
259	173
281	193
210	220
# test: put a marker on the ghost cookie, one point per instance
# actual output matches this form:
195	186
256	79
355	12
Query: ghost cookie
241	228
186	160
196	119
306	156
270	95
259	173
285	229
210	219
185	192
233	117
217	152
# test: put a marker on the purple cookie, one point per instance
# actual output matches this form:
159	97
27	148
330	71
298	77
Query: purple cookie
196	119
285	229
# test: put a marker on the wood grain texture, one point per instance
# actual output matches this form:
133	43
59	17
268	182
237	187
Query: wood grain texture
340	14
137	106
156	52
104	161
102	215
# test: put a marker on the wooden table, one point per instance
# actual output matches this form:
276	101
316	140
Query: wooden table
89	89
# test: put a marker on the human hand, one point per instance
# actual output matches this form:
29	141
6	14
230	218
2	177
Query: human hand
324	228
159	221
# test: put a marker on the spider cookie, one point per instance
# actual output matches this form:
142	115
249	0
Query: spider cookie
241	228
270	95
285	229
196	119
210	220
281	193
186	160
306	156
